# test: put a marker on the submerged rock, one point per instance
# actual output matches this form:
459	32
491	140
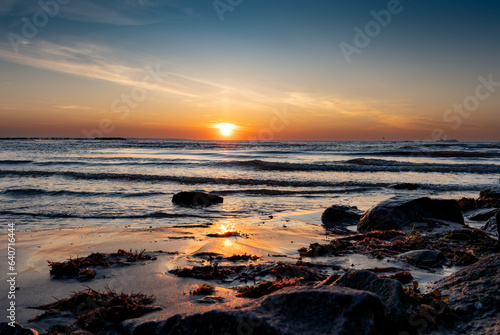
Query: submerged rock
337	217
191	199
405	186
426	258
390	291
473	293
397	212
292	310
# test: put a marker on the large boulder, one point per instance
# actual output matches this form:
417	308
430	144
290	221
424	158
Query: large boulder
390	291
337	217
474	295
292	311
196	199
398	212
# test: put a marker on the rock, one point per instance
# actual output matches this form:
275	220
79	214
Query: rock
397	212
474	295
481	214
405	186
292	310
337	217
196	199
390	291
489	194
491	226
425	258
6	329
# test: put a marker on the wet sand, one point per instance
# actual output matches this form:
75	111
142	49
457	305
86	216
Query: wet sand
272	239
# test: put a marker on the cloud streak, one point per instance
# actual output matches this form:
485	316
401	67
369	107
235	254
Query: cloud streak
117	12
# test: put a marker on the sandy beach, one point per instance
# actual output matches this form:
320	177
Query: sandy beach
264	238
273	240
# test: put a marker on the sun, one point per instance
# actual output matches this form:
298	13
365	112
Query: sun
226	129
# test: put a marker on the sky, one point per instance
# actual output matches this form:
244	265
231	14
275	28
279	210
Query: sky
271	69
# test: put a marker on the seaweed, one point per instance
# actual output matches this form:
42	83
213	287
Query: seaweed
203	289
207	272
96	310
234	258
403	277
286	271
266	287
430	306
226	234
80	267
244	257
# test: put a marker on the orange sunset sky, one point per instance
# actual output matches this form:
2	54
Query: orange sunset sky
332	70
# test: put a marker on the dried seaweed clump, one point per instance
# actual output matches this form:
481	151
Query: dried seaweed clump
203	289
284	271
244	257
266	287
76	267
432	307
96	310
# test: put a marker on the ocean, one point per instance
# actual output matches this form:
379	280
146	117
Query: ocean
47	184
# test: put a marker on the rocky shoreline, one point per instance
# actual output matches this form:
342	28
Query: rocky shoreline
323	297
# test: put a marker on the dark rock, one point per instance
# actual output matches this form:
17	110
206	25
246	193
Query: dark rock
481	214
292	310
336	217
405	186
474	295
196	199
426	258
489	194
6	329
491	226
397	212
467	204
390	291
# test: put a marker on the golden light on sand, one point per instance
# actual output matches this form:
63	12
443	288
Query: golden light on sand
226	129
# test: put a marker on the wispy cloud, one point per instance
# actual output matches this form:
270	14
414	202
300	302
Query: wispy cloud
86	60
117	12
71	107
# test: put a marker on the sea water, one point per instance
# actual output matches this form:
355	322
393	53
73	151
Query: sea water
73	183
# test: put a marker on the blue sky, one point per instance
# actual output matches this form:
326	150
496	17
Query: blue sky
263	57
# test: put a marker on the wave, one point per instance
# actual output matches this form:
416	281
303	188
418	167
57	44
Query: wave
28	192
178	179
14	162
367	165
443	154
154	215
